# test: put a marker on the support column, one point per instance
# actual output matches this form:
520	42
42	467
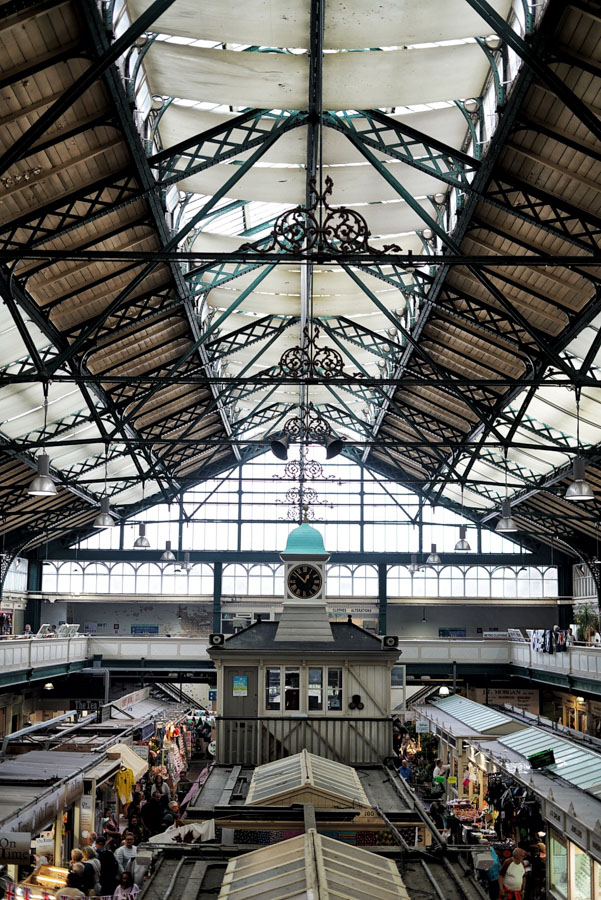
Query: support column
382	599
565	588
33	611
217	582
58	838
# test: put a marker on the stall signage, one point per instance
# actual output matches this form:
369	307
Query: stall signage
86	819
86	705
212	695
577	833
452	779
422	726
15	847
594	844
240	686
555	816
131	699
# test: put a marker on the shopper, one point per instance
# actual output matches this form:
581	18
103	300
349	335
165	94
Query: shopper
440	769
126	889
161	787
109	868
126	855
90	858
152	814
88	874
27	632
71	888
136	828
436	813
512	875
405	771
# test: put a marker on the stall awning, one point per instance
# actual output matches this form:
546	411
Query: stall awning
105	769
129	758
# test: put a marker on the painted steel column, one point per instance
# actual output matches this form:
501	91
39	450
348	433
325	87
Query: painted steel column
33	611
565	588
217	582
382	598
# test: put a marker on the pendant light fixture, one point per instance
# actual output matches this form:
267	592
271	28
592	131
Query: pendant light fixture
462	543
186	565
167	555
43	485
414	566
104	519
579	490
506	523
433	559
141	542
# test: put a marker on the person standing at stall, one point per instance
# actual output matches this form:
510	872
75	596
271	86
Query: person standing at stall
109	869
512	875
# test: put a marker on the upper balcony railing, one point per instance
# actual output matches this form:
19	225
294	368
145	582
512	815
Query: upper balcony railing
18	654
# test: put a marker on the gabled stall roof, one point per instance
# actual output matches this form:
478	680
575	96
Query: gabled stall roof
306	778
312	866
576	765
475	715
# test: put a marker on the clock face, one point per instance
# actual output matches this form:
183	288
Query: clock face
304	581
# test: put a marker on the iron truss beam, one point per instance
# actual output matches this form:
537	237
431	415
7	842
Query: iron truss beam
257	330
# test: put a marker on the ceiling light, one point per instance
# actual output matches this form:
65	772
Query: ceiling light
439	198
462	543
424	616
493	41
279	446
433	559
579	489
472	105
579	699
414	566
104	518
444	691
427	234
506	523
186	565
141	542
334	445
42	485
167	555
48	686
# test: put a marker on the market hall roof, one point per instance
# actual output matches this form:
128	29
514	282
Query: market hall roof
437	134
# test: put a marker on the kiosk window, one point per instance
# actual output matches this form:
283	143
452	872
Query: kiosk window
315	689
335	689
272	688
292	689
558	865
582	874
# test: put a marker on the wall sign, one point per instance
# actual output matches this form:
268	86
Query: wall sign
15	847
240	686
422	726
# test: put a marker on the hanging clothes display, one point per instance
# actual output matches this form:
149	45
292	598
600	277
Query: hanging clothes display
124	783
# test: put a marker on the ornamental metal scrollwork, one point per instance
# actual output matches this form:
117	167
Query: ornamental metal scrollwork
319	226
311	360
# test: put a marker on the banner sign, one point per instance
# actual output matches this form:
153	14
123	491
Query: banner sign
15	847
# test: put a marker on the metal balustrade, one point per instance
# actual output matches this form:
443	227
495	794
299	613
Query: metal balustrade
345	739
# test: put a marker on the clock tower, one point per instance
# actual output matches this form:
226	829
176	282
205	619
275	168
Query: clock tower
304	615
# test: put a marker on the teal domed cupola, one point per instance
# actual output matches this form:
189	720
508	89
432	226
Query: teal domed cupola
305	541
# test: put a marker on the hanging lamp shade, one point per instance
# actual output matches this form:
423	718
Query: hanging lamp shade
42	485
579	489
279	446
433	559
334	445
506	523
104	518
141	542
186	565
414	565
462	543
167	555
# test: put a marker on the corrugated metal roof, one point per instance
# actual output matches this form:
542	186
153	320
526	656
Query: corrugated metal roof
576	765
478	717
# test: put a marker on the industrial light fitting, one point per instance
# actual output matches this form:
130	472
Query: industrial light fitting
579	489
104	518
279	446
506	523
42	485
414	566
186	565
141	542
48	686
444	691
433	558
462	543
167	554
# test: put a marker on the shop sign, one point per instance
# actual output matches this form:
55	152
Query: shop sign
555	816
577	833
44	846
15	847
594	844
240	686
86	818
131	699
212	695
142	751
422	726
86	705
148	731
452	779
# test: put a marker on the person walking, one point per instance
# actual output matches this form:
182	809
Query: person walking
405	771
126	856
152	814
109	868
126	889
71	888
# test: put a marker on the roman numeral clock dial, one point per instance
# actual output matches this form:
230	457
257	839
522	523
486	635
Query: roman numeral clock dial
304	581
